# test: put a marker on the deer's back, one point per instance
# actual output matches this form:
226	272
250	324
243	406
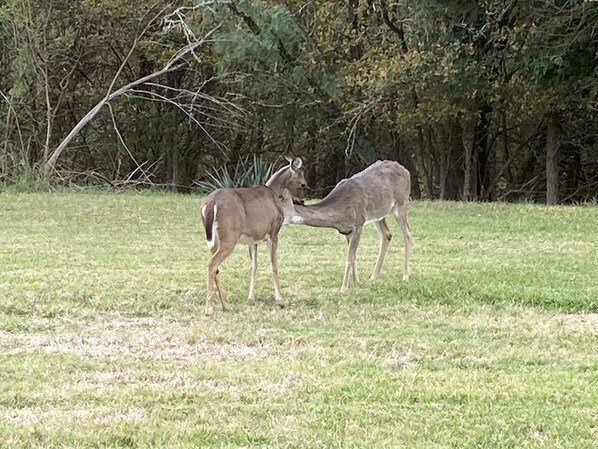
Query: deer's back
373	192
387	176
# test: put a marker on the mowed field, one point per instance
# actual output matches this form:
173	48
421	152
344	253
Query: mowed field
492	343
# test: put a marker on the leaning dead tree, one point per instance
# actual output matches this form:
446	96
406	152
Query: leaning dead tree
173	64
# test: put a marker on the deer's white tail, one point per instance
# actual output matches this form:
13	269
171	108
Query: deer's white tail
208	216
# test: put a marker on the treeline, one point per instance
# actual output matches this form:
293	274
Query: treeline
480	100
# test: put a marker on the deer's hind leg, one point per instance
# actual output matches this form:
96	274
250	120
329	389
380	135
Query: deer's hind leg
217	258
384	236
400	214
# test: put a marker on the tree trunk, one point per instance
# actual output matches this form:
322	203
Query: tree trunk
443	175
451	171
175	169
404	157
553	133
483	151
433	160
506	150
467	174
470	175
422	169
170	145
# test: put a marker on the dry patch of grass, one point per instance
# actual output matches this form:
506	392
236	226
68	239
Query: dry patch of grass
153	338
284	336
45	416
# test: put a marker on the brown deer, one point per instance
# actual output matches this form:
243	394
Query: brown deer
366	197
248	215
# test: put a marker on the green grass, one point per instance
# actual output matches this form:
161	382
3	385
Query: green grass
491	344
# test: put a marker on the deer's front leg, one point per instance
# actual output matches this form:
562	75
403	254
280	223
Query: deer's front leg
400	213
350	264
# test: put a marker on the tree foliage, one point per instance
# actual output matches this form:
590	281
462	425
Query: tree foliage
481	100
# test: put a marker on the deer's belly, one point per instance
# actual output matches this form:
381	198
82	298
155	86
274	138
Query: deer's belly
374	218
249	240
374	215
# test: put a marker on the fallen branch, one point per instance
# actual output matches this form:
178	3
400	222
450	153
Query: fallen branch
170	66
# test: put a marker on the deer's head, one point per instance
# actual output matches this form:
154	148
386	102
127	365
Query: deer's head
290	177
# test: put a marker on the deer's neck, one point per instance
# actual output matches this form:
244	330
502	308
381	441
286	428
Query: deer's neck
279	180
322	216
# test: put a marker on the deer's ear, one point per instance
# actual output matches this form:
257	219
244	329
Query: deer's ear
289	159
296	163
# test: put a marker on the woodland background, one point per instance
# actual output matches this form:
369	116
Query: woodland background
480	100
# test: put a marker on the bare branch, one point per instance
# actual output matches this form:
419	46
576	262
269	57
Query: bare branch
124	144
352	134
17	124
168	100
170	66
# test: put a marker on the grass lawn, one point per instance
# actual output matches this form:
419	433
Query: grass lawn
492	343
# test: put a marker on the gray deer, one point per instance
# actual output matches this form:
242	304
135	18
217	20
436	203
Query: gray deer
365	198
